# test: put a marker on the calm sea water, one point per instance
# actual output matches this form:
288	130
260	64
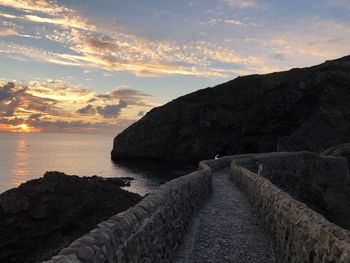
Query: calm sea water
26	156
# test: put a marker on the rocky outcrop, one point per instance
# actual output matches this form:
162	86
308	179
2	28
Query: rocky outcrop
42	216
299	109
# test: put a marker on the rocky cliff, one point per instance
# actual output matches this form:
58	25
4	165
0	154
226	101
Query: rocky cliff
299	109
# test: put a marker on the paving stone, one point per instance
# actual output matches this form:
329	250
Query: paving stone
225	229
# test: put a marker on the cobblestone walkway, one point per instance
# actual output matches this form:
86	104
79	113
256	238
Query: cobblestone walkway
225	229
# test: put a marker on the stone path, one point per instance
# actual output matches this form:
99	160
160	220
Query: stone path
225	229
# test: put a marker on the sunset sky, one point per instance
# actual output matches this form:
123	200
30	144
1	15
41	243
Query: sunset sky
99	65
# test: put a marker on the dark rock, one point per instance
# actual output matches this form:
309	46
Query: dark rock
44	215
299	109
85	253
13	203
342	150
120	181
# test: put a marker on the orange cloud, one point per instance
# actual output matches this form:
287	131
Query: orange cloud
67	21
44	6
7	32
111	50
55	14
57	104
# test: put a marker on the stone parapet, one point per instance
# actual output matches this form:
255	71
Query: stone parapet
148	232
299	233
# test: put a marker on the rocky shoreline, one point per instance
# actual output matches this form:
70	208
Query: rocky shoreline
42	216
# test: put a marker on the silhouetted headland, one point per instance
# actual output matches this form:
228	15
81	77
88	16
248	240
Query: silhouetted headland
295	110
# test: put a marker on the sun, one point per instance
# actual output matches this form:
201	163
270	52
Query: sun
23	127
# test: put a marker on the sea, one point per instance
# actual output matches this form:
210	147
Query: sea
27	156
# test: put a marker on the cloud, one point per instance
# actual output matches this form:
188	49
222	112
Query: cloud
38	124
55	14
237	22
88	109
66	21
7	32
95	46
278	55
6	91
111	111
48	7
10	98
242	3
35	116
65	105
234	22
107	111
36	54
130	96
322	39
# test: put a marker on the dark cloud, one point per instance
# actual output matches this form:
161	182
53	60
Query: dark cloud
15	121
111	111
131	96
13	97
43	104
88	110
11	107
6	91
108	111
35	116
101	42
127	93
92	100
278	56
10	98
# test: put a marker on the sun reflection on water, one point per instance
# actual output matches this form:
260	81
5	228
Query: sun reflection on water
20	171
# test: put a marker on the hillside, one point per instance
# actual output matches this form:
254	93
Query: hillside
299	109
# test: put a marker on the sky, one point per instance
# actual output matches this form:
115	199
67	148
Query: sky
100	65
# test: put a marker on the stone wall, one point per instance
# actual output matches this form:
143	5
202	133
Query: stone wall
322	183
300	234
148	232
152	230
